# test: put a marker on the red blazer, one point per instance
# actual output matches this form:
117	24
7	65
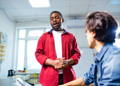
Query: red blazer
46	49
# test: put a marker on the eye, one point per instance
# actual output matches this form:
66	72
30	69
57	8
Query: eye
57	17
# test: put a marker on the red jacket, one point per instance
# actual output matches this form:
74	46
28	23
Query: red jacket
46	49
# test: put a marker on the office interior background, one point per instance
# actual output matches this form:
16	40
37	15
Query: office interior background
21	25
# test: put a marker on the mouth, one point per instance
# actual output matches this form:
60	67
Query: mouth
55	24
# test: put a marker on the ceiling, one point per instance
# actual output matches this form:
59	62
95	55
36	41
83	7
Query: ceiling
21	10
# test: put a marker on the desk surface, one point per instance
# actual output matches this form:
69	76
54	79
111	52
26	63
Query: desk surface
12	82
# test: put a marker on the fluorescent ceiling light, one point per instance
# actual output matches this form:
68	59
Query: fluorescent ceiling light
39	3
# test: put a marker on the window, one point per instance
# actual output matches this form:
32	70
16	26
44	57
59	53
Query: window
32	62
21	53
26	45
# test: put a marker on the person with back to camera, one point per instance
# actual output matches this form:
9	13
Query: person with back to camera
57	52
105	71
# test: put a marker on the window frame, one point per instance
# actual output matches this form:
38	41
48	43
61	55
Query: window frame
45	28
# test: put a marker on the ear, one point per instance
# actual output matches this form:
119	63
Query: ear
93	34
62	20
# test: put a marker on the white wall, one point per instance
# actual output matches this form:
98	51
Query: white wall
7	27
86	54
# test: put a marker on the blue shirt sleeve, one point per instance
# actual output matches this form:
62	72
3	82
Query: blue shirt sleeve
89	76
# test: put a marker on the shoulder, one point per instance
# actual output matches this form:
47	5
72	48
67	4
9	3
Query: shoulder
44	36
114	50
69	34
113	54
112	61
115	61
46	33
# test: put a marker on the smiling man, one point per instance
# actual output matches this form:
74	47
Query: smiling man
105	71
57	52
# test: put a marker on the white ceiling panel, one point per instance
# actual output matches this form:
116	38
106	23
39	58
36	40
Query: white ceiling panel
21	11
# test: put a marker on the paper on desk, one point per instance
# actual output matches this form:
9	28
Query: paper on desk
21	82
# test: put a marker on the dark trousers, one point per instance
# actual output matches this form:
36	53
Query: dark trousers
61	79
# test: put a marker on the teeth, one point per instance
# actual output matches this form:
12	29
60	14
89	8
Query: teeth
55	24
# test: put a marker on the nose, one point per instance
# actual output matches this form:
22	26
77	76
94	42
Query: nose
54	19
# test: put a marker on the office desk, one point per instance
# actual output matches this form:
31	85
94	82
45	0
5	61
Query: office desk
13	82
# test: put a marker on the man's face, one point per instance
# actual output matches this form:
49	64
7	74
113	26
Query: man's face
55	21
90	38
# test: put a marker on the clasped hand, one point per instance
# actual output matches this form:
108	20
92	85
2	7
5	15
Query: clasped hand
60	63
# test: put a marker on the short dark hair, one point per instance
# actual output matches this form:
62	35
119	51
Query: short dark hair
103	24
56	12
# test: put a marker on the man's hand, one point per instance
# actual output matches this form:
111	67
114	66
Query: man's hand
58	63
61	63
68	62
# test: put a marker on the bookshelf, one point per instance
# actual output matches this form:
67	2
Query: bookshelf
2	51
2	47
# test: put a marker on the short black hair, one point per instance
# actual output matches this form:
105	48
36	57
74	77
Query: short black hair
104	25
56	12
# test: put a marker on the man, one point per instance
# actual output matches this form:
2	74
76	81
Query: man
57	52
105	71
